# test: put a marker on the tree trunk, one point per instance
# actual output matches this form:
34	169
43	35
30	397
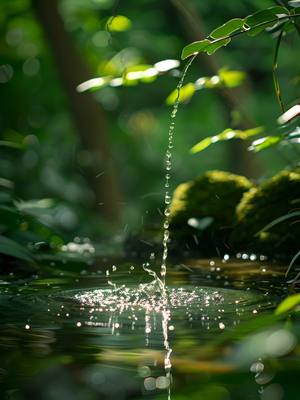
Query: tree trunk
86	112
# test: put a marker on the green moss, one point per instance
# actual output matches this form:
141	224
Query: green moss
260	206
211	200
214	194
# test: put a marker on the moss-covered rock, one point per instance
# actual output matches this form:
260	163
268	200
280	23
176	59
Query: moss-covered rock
203	210
260	206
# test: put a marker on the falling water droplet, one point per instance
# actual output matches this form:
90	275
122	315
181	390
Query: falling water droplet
167	212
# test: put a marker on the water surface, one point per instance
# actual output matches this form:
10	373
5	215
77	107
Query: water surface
107	333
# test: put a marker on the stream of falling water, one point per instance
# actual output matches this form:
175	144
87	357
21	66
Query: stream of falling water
168	175
166	223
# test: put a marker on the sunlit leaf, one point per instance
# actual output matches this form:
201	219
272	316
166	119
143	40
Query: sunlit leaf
186	92
265	143
95	83
294	3
118	23
217	44
227	134
14	249
231	79
289	115
143	72
288	304
166	65
227	28
195	47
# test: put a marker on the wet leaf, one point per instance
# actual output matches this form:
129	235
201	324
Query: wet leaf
288	304
186	92
227	28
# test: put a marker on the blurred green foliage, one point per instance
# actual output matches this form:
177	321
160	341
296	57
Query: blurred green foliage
112	39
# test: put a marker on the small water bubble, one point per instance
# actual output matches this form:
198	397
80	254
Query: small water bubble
27	326
221	325
114	268
78	324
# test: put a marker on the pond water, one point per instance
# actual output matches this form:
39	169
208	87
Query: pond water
106	333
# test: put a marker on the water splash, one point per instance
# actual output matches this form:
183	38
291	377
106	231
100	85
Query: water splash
168	175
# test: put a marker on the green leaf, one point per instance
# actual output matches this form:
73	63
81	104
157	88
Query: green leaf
264	18
292	263
186	92
294	3
217	44
195	47
14	249
265	143
227	134
288	304
227	28
13	145
278	220
231	79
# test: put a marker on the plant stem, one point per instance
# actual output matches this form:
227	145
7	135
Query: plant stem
275	75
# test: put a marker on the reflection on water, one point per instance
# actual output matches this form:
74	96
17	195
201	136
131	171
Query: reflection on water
76	336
